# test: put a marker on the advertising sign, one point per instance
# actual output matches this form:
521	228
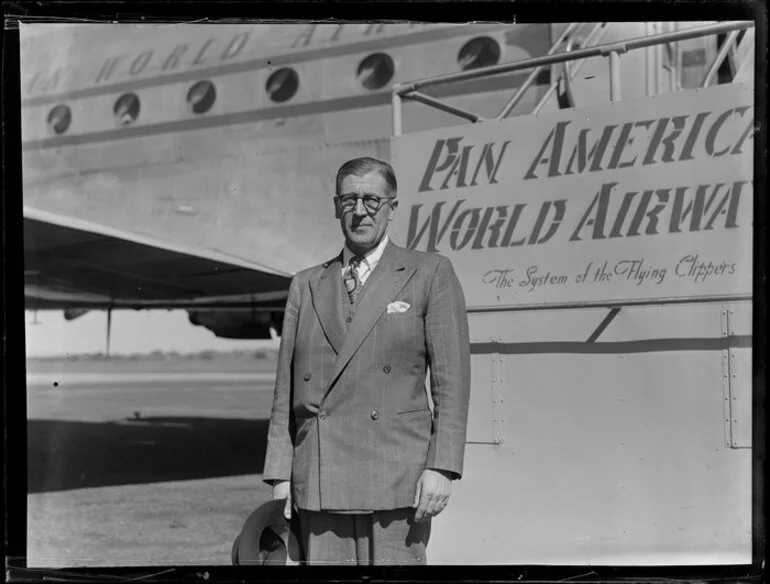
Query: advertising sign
629	201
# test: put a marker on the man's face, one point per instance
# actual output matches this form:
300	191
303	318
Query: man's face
363	230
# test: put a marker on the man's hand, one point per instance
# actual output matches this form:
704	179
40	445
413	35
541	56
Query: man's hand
433	490
282	490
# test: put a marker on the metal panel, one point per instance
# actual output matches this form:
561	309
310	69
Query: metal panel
740	398
481	413
738	319
613	457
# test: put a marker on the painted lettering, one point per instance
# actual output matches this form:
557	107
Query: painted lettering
459	169
747	133
140	62
30	86
305	36
172	61
620	218
374	29
491	228
691	266
466	231
535	279
643	211
452	145
672	139
456	164
626	140
431	223
514	221
696	208
596	214
582	156
52	82
475	225
667	142
199	60
491	166
692	136
337	32
108	68
502	278
556	140
236	46
712	134
559	208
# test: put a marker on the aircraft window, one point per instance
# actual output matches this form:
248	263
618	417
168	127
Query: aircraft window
202	96
126	109
479	52
282	85
376	70
59	119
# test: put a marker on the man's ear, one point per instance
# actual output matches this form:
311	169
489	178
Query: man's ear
337	210
393	207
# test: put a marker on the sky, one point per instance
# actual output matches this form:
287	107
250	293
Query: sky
132	332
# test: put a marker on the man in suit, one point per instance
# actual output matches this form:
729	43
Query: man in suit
353	445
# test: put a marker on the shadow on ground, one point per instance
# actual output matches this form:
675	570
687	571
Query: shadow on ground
66	455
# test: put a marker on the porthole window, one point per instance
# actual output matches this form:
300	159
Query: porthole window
126	109
479	52
282	85
201	97
59	119
376	71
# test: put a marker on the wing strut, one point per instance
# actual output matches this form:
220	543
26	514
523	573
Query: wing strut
109	328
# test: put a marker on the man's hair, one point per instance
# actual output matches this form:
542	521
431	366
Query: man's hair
363	166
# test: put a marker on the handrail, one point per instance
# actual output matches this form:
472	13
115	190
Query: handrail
726	46
535	72
438	104
597	51
599	32
612	50
744	61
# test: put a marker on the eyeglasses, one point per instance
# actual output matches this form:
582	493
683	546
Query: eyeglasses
371	203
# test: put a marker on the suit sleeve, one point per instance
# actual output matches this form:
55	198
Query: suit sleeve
448	349
280	447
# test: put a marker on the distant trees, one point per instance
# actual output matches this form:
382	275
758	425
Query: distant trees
158	355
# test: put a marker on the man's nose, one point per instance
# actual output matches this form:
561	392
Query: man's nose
359	209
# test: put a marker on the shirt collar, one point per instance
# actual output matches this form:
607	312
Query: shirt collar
371	257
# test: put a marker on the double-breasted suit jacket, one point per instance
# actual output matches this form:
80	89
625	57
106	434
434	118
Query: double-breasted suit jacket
350	424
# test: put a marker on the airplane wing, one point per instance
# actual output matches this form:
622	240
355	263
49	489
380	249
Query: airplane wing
76	264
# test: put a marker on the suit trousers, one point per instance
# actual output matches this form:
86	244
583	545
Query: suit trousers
376	538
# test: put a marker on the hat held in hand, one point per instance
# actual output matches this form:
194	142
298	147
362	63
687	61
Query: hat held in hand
267	538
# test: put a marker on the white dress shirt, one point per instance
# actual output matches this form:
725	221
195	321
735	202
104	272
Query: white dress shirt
366	267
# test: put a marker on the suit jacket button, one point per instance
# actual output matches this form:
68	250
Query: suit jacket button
349	319
307	376
386	369
322	414
375	414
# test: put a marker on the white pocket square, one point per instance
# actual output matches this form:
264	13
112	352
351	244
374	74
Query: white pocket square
398	306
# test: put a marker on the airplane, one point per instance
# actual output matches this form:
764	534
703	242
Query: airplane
191	165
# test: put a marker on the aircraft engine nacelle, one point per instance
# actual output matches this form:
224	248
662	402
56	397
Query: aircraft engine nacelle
241	323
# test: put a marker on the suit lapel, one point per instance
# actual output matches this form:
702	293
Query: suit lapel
384	284
326	290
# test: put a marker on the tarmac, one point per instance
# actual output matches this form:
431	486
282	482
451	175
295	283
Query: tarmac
159	469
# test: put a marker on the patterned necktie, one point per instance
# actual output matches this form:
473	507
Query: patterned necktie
352	281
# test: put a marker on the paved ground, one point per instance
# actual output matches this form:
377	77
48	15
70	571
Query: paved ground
179	523
127	471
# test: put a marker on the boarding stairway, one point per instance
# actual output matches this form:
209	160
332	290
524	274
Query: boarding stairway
632	60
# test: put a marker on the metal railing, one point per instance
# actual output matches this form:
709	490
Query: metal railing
612	51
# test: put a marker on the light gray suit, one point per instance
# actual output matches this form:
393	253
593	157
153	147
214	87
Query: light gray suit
350	424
